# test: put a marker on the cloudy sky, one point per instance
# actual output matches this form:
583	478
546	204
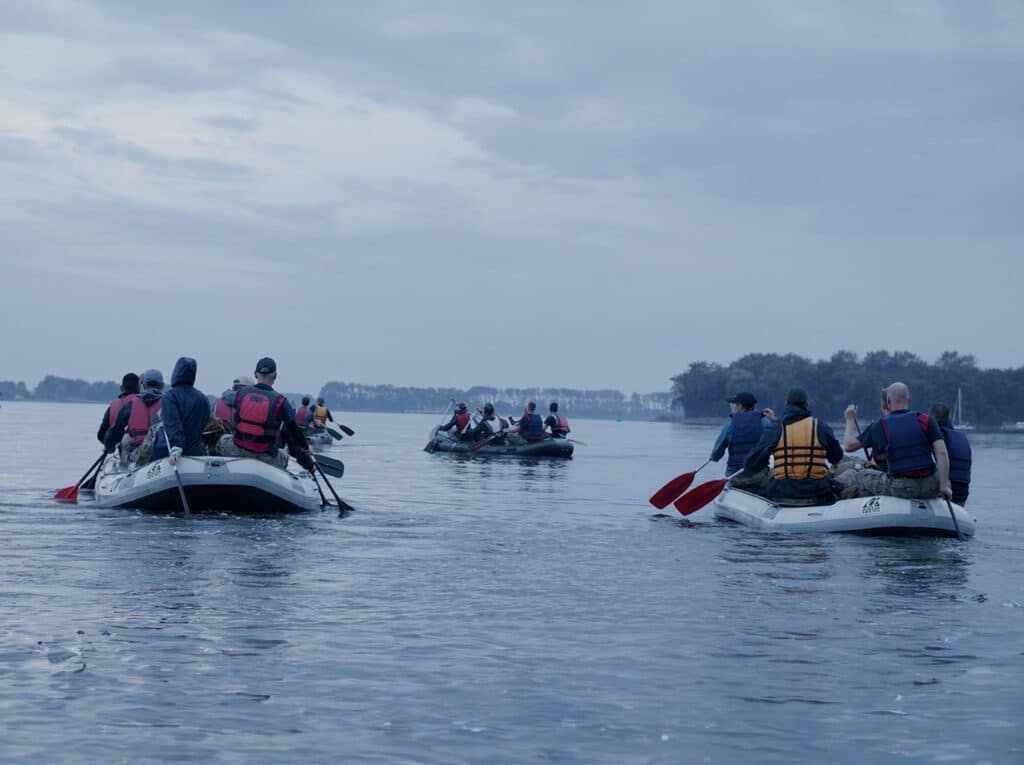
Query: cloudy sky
588	194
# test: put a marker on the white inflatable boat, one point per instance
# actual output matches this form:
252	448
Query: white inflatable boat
228	484
863	515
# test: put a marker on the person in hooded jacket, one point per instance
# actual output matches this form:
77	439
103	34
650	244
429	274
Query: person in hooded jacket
802	446
261	415
184	413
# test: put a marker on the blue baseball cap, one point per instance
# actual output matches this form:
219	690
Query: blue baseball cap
266	366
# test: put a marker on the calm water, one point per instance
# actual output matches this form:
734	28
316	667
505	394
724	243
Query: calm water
484	611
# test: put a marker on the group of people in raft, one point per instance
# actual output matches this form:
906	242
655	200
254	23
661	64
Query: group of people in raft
251	419
909	453
485	425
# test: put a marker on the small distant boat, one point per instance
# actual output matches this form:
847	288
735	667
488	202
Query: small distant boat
548	447
1013	427
958	413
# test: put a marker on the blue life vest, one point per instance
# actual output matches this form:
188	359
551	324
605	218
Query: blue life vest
959	455
746	432
907	449
531	427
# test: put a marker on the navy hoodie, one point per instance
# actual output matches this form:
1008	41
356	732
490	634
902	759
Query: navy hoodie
185	412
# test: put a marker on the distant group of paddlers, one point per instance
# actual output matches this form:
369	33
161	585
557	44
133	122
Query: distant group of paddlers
797	456
485	425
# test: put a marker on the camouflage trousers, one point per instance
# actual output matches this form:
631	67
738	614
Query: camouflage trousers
227	448
756	483
871	482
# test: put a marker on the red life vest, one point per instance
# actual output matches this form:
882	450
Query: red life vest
155	407
563	424
138	420
462	421
301	416
115	407
138	417
257	419
223	410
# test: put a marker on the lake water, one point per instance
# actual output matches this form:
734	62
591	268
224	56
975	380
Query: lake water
497	611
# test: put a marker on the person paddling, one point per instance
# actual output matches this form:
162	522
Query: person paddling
129	391
127	416
184	414
740	434
303	415
261	414
224	407
528	428
460	422
556	423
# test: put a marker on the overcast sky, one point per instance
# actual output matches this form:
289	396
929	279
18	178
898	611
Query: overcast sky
544	194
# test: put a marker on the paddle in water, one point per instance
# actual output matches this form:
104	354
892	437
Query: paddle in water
432	444
70	493
694	500
664	496
177	475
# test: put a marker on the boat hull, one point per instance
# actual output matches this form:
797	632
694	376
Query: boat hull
220	484
319	438
863	515
548	447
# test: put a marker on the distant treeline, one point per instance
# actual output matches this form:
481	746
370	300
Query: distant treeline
53	388
388	398
580	403
990	396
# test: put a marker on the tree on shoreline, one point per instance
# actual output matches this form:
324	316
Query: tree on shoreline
992	396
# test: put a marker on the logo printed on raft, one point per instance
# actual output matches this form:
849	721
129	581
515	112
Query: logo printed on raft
154	471
873	505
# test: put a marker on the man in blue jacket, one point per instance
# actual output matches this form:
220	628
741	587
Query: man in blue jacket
185	412
740	434
801	446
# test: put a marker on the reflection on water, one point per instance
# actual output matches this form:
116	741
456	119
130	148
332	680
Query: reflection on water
912	568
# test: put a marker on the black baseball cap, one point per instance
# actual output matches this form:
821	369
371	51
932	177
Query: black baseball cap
743	399
266	366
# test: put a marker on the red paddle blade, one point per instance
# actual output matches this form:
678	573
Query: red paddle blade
430	446
479	445
694	500
67	494
663	497
347	430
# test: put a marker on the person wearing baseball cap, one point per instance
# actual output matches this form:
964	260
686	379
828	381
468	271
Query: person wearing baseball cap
224	407
740	435
801	447
261	413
